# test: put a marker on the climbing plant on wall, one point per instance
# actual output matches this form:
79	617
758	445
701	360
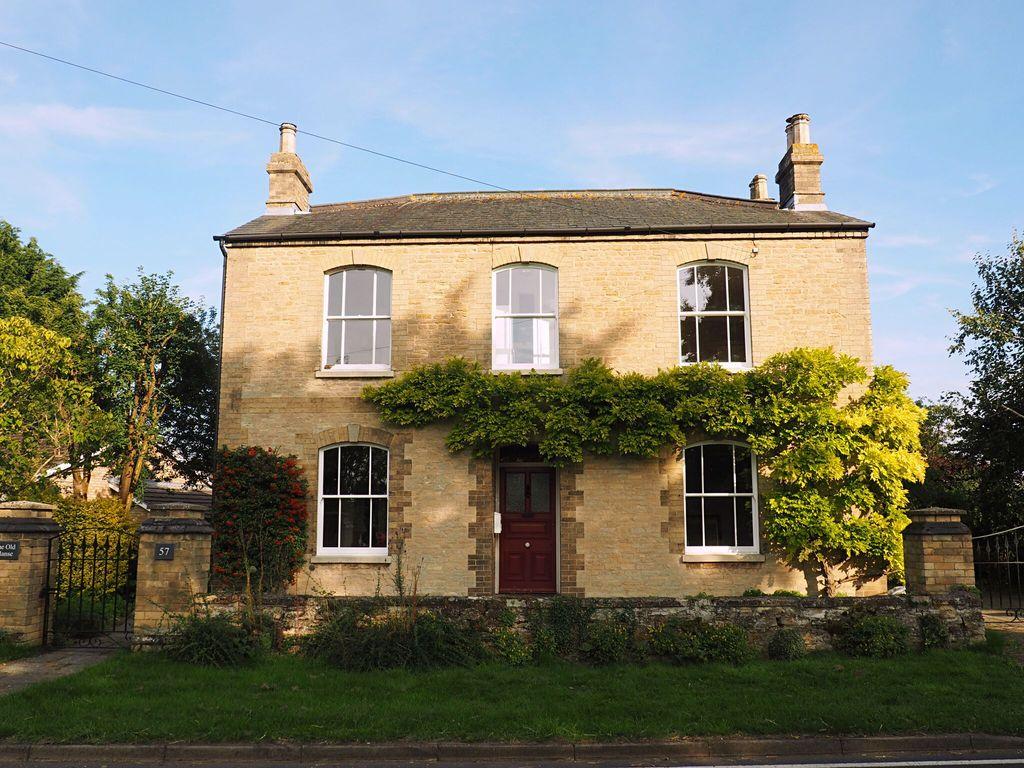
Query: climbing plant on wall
835	463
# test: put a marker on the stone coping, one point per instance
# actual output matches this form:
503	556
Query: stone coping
697	748
955	596
25	509
26	505
927	527
175	525
28	525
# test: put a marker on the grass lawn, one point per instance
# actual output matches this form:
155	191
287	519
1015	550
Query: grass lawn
10	651
144	697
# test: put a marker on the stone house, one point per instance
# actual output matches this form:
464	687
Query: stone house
320	301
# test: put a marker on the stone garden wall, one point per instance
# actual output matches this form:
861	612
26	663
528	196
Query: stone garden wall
817	618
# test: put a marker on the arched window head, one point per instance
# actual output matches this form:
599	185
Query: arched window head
714	314
357	319
720	499
525	318
352	496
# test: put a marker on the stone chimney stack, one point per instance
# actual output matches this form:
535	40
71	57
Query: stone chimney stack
799	176
759	187
289	180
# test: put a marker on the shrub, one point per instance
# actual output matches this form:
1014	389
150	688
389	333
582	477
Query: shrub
545	648
352	640
608	641
212	640
560	626
98	531
681	641
266	630
510	646
788	593
934	632
787	645
753	592
259	519
879	637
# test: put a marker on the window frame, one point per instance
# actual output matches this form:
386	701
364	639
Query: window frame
355	552
555	364
701	549
327	318
744	313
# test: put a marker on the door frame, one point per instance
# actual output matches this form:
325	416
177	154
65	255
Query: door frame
558	519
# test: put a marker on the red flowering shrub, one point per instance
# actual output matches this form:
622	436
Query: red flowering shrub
259	519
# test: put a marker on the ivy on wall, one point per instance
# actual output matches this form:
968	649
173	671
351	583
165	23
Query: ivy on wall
835	465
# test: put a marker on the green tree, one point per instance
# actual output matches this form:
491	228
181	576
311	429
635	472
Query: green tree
35	286
45	411
951	479
157	361
991	339
837	465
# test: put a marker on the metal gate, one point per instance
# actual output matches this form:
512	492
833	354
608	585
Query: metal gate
90	592
999	570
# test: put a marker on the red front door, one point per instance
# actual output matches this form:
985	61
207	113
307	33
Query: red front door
527	542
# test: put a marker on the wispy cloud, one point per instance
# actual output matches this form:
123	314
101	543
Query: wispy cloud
49	196
888	283
905	240
971	245
203	283
978	183
41	125
737	143
925	356
64	120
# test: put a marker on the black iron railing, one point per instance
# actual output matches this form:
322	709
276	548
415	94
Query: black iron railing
90	595
999	570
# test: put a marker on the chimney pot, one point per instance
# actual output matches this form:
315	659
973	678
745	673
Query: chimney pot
759	187
288	137
798	130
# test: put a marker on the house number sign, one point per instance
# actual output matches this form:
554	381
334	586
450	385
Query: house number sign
164	552
9	550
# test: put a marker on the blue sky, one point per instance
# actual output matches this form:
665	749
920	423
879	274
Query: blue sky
918	108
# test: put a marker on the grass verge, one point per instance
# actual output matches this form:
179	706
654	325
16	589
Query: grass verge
143	697
10	650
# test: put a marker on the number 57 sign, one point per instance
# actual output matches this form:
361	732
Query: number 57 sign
164	552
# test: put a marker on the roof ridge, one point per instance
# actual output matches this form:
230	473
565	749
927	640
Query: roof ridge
628	192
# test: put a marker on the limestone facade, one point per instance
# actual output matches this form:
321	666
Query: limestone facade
620	520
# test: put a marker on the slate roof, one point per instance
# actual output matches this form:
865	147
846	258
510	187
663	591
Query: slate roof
466	214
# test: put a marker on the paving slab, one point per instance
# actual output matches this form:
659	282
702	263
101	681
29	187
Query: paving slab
50	665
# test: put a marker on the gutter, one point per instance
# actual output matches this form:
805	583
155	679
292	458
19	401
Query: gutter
282	237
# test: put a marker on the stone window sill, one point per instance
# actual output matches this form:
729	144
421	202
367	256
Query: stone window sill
336	559
354	373
727	367
530	371
752	557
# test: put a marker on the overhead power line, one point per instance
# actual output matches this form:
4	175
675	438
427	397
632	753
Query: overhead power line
246	115
275	123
